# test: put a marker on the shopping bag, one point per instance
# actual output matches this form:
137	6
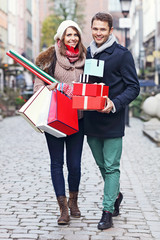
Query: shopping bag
35	112
43	118
61	114
31	110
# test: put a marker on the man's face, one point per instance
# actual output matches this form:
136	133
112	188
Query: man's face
100	32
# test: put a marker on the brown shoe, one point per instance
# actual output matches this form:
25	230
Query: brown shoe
72	204
64	217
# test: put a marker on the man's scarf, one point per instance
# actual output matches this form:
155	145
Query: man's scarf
95	50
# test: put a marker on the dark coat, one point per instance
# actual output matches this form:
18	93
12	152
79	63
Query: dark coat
120	75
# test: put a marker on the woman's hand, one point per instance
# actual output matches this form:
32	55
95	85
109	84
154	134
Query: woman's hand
52	86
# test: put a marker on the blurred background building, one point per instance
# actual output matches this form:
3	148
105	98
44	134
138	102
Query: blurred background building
145	38
20	30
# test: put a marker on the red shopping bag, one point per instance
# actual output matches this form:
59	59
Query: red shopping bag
61	114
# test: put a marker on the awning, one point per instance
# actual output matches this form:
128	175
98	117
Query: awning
147	83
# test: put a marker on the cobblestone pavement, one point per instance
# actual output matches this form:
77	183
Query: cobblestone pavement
28	207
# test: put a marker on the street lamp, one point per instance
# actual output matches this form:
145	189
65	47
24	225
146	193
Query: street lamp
125	7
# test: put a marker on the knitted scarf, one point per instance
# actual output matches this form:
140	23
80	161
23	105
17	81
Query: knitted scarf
95	50
71	53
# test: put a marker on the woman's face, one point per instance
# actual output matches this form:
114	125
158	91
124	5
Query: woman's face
71	37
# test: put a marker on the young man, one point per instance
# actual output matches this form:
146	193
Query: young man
105	129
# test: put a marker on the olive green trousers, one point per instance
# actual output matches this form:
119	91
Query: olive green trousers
107	154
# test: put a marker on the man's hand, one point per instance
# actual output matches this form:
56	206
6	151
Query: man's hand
108	107
52	86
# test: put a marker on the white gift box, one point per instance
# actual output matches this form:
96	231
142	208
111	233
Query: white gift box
94	67
35	112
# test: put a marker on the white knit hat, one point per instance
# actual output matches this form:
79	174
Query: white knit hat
63	26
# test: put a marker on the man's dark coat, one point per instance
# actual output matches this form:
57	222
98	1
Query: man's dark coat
120	75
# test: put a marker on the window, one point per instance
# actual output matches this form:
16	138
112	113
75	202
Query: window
11	34
29	53
29	5
29	30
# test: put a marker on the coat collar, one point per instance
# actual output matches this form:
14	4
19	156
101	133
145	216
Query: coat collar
108	50
111	48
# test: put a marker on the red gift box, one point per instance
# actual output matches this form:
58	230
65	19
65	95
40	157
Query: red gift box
88	103
61	115
82	89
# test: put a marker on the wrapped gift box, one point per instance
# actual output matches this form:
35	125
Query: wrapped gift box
46	80
88	103
61	114
30	65
82	89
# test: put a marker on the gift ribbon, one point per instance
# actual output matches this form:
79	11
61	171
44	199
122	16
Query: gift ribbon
85	102
102	85
83	89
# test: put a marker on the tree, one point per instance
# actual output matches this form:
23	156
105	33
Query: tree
62	10
70	9
49	28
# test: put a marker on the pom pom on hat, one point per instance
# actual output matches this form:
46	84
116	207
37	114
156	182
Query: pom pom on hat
63	26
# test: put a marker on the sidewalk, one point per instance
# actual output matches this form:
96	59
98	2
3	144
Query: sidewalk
28	207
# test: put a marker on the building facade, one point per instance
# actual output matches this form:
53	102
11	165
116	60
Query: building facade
91	8
3	38
145	37
20	31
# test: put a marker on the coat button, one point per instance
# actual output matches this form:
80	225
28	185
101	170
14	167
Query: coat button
72	69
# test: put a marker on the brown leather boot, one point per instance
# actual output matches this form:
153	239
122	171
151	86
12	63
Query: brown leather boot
64	217
72	204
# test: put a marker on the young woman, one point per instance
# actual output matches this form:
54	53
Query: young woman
65	62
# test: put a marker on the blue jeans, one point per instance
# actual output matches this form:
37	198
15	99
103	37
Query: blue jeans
74	145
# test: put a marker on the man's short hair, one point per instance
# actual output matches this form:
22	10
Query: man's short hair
104	17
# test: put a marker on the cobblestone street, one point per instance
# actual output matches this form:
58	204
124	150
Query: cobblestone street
28	207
